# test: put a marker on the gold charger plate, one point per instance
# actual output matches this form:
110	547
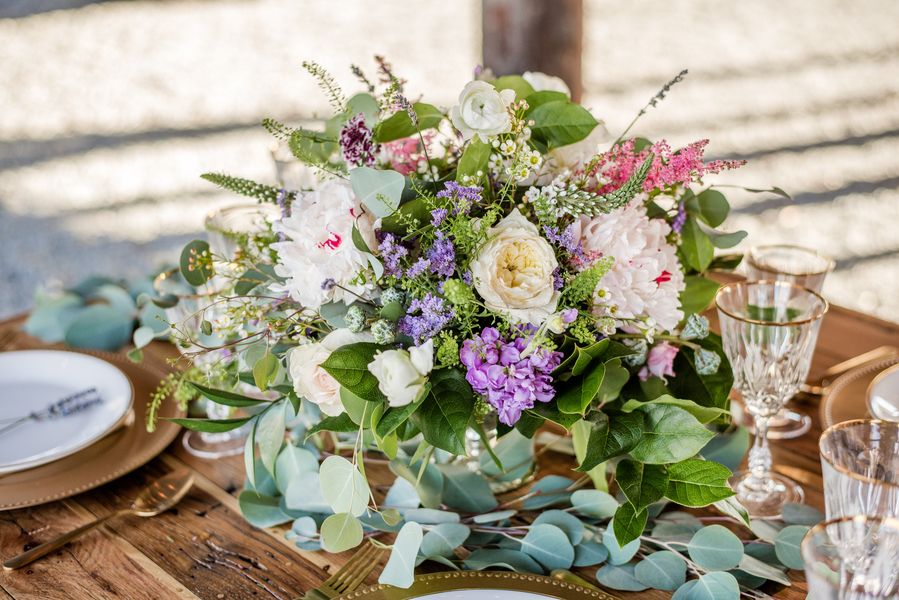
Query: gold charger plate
431	584
117	454
847	397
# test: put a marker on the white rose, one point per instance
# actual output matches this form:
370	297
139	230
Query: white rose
579	153
543	82
310	380
513	271
319	245
402	374
482	111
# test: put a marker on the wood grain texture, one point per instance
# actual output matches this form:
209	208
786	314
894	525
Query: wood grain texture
204	548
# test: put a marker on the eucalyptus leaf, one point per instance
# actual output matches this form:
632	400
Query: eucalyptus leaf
728	448
466	490
430	516
344	488
494	517
787	544
716	548
379	190
549	546
568	523
487	558
443	539
261	511
801	514
50	319
304	493
429	486
548	491
753	566
340	532
99	327
270	429
589	553
402	494
400	568
594	503
619	577
663	570
266	370
618	554
715	586
291	463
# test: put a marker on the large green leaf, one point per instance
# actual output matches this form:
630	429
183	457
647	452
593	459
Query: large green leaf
399	125
716	548
210	425
704	414
446	411
443	539
714	586
612	436
561	123
695	482
711	206
615	379
698	294
696	247
580	392
670	434
227	398
340	532
706	390
665	570
99	327
514	82
260	510
549	546
475	158
641	484
628	524
349	366
344	488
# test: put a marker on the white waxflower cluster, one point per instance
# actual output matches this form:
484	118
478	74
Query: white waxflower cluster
514	159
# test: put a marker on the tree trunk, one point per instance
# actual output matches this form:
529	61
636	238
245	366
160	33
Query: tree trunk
535	35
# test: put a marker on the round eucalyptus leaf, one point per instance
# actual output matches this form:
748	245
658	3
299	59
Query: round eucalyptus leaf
716	548
304	493
430	516
489	558
757	568
304	527
548	545
99	327
548	491
718	585
594	503
291	463
343	486
260	510
400	568
619	555
143	335
619	577
443	539
402	494
567	522
493	517
683	592
340	532
667	531
801	514
663	570
787	543
589	553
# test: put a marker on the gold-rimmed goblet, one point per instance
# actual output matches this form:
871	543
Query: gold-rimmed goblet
769	330
805	267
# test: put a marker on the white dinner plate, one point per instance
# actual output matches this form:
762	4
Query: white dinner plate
883	395
32	380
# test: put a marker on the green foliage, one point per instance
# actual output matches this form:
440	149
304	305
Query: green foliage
349	366
787	544
670	434
715	548
246	187
327	84
612	436
399	125
379	190
517	83
446	411
474	160
698	294
581	287
640	483
400	568
695	482
549	546
341	531
560	123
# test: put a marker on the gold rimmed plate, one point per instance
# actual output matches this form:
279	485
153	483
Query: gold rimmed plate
846	398
480	585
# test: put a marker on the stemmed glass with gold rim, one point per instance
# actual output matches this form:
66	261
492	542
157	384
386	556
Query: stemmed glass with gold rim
769	330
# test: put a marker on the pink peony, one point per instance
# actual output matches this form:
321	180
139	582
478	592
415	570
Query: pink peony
660	362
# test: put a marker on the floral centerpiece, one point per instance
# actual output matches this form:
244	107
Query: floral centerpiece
455	281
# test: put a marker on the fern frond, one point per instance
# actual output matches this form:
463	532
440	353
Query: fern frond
246	187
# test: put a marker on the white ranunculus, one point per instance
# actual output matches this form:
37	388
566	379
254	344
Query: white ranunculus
482	111
513	271
402	374
318	245
578	154
543	82
310	380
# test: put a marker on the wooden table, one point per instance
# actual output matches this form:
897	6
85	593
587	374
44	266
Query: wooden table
204	548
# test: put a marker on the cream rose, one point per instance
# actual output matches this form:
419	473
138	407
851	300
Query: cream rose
402	374
513	271
310	380
482	111
543	82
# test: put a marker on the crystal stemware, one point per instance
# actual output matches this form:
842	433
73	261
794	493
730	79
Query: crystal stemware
769	330
860	467
802	266
852	558
192	307
239	229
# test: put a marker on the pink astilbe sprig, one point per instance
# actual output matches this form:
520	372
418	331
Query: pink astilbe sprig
612	169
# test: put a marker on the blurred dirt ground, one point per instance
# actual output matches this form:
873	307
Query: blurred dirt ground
109	112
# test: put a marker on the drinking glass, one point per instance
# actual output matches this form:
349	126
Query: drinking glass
802	266
852	558
769	330
860	466
193	306
236	230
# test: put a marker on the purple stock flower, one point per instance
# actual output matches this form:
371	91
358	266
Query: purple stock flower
680	219
391	253
442	256
432	315
463	197
510	379
356	142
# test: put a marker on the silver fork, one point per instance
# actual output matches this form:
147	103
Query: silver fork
349	576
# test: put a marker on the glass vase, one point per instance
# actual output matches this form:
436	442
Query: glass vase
483	438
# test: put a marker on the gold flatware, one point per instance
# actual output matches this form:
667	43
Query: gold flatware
838	369
349	576
156	498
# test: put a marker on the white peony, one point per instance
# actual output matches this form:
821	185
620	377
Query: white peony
482	111
402	374
642	289
543	82
310	380
513	271
319	246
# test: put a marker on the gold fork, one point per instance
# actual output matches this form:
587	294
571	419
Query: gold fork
349	576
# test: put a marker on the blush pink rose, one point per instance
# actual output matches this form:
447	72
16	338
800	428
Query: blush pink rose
660	362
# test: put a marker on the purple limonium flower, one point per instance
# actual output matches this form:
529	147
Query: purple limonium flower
510	379
425	318
391	253
356	142
467	278
420	266
679	219
463	197
564	239
558	282
438	216
442	256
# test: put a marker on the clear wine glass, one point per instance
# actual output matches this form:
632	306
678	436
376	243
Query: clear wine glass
769	330
802	266
853	558
193	306
235	230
